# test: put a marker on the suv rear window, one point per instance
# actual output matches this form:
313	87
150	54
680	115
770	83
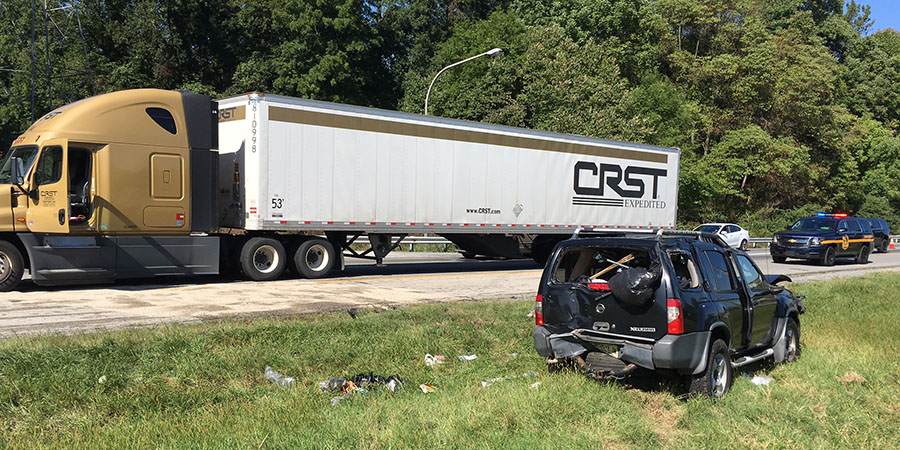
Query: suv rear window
580	265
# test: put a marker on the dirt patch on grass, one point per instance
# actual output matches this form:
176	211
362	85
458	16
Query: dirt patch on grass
665	414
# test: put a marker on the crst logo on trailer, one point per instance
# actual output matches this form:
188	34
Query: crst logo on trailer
628	186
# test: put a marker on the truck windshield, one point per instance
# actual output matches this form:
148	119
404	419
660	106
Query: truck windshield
814	224
26	152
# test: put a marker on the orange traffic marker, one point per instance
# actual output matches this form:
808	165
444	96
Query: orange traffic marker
892	244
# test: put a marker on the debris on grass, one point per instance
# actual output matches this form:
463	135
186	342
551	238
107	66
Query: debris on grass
851	377
487	383
531	314
433	360
535	385
278	378
332	384
427	388
761	380
102	379
467	357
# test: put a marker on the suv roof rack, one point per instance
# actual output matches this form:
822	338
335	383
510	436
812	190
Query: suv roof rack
712	238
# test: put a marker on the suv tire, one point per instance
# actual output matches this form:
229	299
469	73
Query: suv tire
863	256
828	257
792	341
883	248
716	379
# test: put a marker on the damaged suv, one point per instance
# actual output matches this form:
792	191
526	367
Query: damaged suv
681	303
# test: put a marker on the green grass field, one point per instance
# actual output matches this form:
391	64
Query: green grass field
203	386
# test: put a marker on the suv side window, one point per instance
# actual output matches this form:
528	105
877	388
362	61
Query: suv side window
853	226
685	270
751	275
842	225
720	276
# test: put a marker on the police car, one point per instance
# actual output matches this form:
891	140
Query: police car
823	238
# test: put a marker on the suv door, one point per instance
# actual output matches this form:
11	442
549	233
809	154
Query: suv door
723	289
763	303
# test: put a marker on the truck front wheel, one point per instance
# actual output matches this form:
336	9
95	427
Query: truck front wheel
314	258
12	266
262	259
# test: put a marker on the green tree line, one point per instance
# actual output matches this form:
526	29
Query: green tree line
780	107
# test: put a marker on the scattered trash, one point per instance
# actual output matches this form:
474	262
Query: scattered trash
467	357
340	398
353	312
531	314
138	379
332	384
529	374
427	388
278	378
851	377
513	355
761	381
393	385
432	360
535	385
370	379
101	380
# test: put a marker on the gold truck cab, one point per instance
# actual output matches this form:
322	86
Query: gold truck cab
115	186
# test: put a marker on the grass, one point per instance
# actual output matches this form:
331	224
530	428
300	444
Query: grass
202	386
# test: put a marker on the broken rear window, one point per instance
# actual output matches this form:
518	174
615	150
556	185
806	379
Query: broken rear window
583	265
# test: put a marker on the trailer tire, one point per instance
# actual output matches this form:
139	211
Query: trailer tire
314	258
262	259
12	266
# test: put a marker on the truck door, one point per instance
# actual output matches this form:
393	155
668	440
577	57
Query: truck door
763	303
48	200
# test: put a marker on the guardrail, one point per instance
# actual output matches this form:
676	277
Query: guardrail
412	241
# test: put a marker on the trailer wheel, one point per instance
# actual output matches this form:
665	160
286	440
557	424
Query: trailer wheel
12	266
263	259
314	258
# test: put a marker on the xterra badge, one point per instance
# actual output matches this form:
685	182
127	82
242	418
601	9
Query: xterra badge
643	329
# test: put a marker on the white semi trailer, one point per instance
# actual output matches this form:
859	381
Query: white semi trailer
292	165
147	182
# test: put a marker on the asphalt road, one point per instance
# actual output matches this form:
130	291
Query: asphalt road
408	278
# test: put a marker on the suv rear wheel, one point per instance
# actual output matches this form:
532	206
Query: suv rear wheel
863	256
883	248
718	376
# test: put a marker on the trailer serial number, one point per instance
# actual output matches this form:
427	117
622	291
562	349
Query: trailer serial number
482	211
277	203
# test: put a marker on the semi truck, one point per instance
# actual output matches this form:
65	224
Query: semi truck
148	182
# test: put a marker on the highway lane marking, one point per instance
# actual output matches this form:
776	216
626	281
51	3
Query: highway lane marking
443	275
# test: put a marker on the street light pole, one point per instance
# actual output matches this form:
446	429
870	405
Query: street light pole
491	52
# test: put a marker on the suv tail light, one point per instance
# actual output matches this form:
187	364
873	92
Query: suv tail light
538	310
674	316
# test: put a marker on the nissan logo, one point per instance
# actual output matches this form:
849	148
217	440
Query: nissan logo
600	308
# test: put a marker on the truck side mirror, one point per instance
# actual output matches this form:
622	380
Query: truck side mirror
17	171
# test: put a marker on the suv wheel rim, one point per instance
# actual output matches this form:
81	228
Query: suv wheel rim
719	375
5	267
317	258
829	256
792	345
265	259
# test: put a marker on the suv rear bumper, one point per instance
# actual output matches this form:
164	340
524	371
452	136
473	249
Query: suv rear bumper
685	353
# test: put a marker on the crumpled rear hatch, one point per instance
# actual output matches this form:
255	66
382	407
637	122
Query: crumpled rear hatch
618	290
